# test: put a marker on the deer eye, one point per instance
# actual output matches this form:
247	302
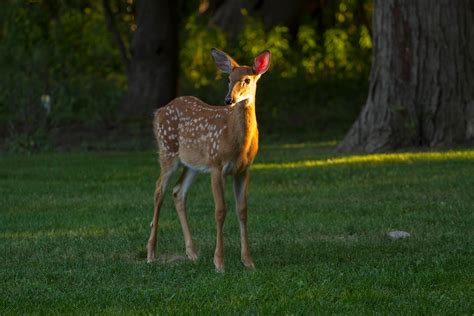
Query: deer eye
247	81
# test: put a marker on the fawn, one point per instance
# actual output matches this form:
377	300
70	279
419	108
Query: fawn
221	140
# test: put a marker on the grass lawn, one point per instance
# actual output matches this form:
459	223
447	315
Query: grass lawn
73	230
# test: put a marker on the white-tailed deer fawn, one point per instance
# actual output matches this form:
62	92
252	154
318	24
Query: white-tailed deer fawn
222	140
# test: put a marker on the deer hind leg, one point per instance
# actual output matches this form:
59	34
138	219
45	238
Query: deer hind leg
179	195
220	212
240	192
168	166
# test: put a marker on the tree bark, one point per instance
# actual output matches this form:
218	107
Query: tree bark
154	64
421	85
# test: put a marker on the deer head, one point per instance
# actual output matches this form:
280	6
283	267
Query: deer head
242	79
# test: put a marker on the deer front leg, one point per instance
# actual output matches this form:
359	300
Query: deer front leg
180	192
220	212
240	192
167	170
158	198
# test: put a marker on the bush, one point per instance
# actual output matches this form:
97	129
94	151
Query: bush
63	57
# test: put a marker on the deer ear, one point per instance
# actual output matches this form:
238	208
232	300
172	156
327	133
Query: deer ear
223	61
262	62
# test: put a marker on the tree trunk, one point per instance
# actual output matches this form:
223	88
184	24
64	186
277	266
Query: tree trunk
154	65
421	85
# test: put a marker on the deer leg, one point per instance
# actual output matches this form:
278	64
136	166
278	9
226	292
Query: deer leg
179	195
240	192
167	169
220	212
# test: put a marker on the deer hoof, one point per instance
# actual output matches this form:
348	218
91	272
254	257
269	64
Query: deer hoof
191	254
150	257
219	264
248	263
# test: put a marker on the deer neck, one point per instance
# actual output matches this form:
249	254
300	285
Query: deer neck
244	125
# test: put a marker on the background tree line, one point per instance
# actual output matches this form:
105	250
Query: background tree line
103	67
107	65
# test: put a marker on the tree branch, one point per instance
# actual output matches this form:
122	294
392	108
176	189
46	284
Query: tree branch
109	17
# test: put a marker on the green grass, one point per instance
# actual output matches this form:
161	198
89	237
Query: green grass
73	229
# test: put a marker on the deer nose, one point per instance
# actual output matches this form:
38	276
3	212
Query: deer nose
228	100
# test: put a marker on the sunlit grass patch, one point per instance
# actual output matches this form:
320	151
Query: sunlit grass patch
407	157
322	144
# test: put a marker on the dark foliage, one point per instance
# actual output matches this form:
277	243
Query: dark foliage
63	72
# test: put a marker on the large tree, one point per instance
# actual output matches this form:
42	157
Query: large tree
152	70
421	86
